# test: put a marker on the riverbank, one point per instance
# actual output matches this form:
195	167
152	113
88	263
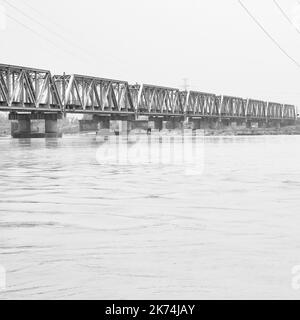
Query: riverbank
289	130
71	126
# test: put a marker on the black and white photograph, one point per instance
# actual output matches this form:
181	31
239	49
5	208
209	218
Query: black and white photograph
149	151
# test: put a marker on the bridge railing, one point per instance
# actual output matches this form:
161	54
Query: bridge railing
22	88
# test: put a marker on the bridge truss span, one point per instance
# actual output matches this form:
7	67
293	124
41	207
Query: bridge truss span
23	89
85	94
289	112
158	100
232	107
36	91
256	109
200	104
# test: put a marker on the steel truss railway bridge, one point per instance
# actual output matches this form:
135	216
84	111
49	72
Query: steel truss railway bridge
32	94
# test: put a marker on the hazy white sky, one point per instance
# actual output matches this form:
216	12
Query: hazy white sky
213	43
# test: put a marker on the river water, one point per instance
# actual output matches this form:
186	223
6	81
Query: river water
77	221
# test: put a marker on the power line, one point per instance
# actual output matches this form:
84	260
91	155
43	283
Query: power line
269	35
84	51
40	13
285	15
36	33
42	25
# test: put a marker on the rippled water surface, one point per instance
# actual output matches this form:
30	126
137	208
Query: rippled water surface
73	227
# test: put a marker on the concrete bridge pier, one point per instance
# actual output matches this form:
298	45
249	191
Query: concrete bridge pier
20	125
35	125
24	124
158	123
51	126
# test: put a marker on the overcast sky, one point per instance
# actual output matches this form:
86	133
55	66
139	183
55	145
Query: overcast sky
213	43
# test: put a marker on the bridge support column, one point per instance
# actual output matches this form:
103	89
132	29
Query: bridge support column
51	126
20	126
24	125
34	125
158	124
